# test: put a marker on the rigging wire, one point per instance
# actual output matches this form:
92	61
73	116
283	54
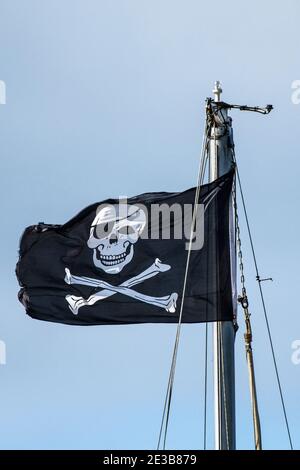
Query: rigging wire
259	280
205	364
205	387
168	398
243	300
224	389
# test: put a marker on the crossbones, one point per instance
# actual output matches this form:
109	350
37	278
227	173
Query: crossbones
167	302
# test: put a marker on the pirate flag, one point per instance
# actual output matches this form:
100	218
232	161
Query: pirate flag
123	261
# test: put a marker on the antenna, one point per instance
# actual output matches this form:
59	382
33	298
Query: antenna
217	91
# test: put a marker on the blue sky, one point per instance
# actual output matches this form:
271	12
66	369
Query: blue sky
107	98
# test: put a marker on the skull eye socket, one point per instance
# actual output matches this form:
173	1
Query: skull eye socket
126	230
103	229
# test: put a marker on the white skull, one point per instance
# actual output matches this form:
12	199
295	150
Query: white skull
113	233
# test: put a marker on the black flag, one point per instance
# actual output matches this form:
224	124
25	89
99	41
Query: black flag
123	261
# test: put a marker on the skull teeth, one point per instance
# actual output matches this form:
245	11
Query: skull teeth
109	260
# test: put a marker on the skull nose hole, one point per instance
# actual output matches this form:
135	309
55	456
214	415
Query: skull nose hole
113	238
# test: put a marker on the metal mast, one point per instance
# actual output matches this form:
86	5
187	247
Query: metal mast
221	159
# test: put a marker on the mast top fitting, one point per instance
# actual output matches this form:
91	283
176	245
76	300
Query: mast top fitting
217	91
